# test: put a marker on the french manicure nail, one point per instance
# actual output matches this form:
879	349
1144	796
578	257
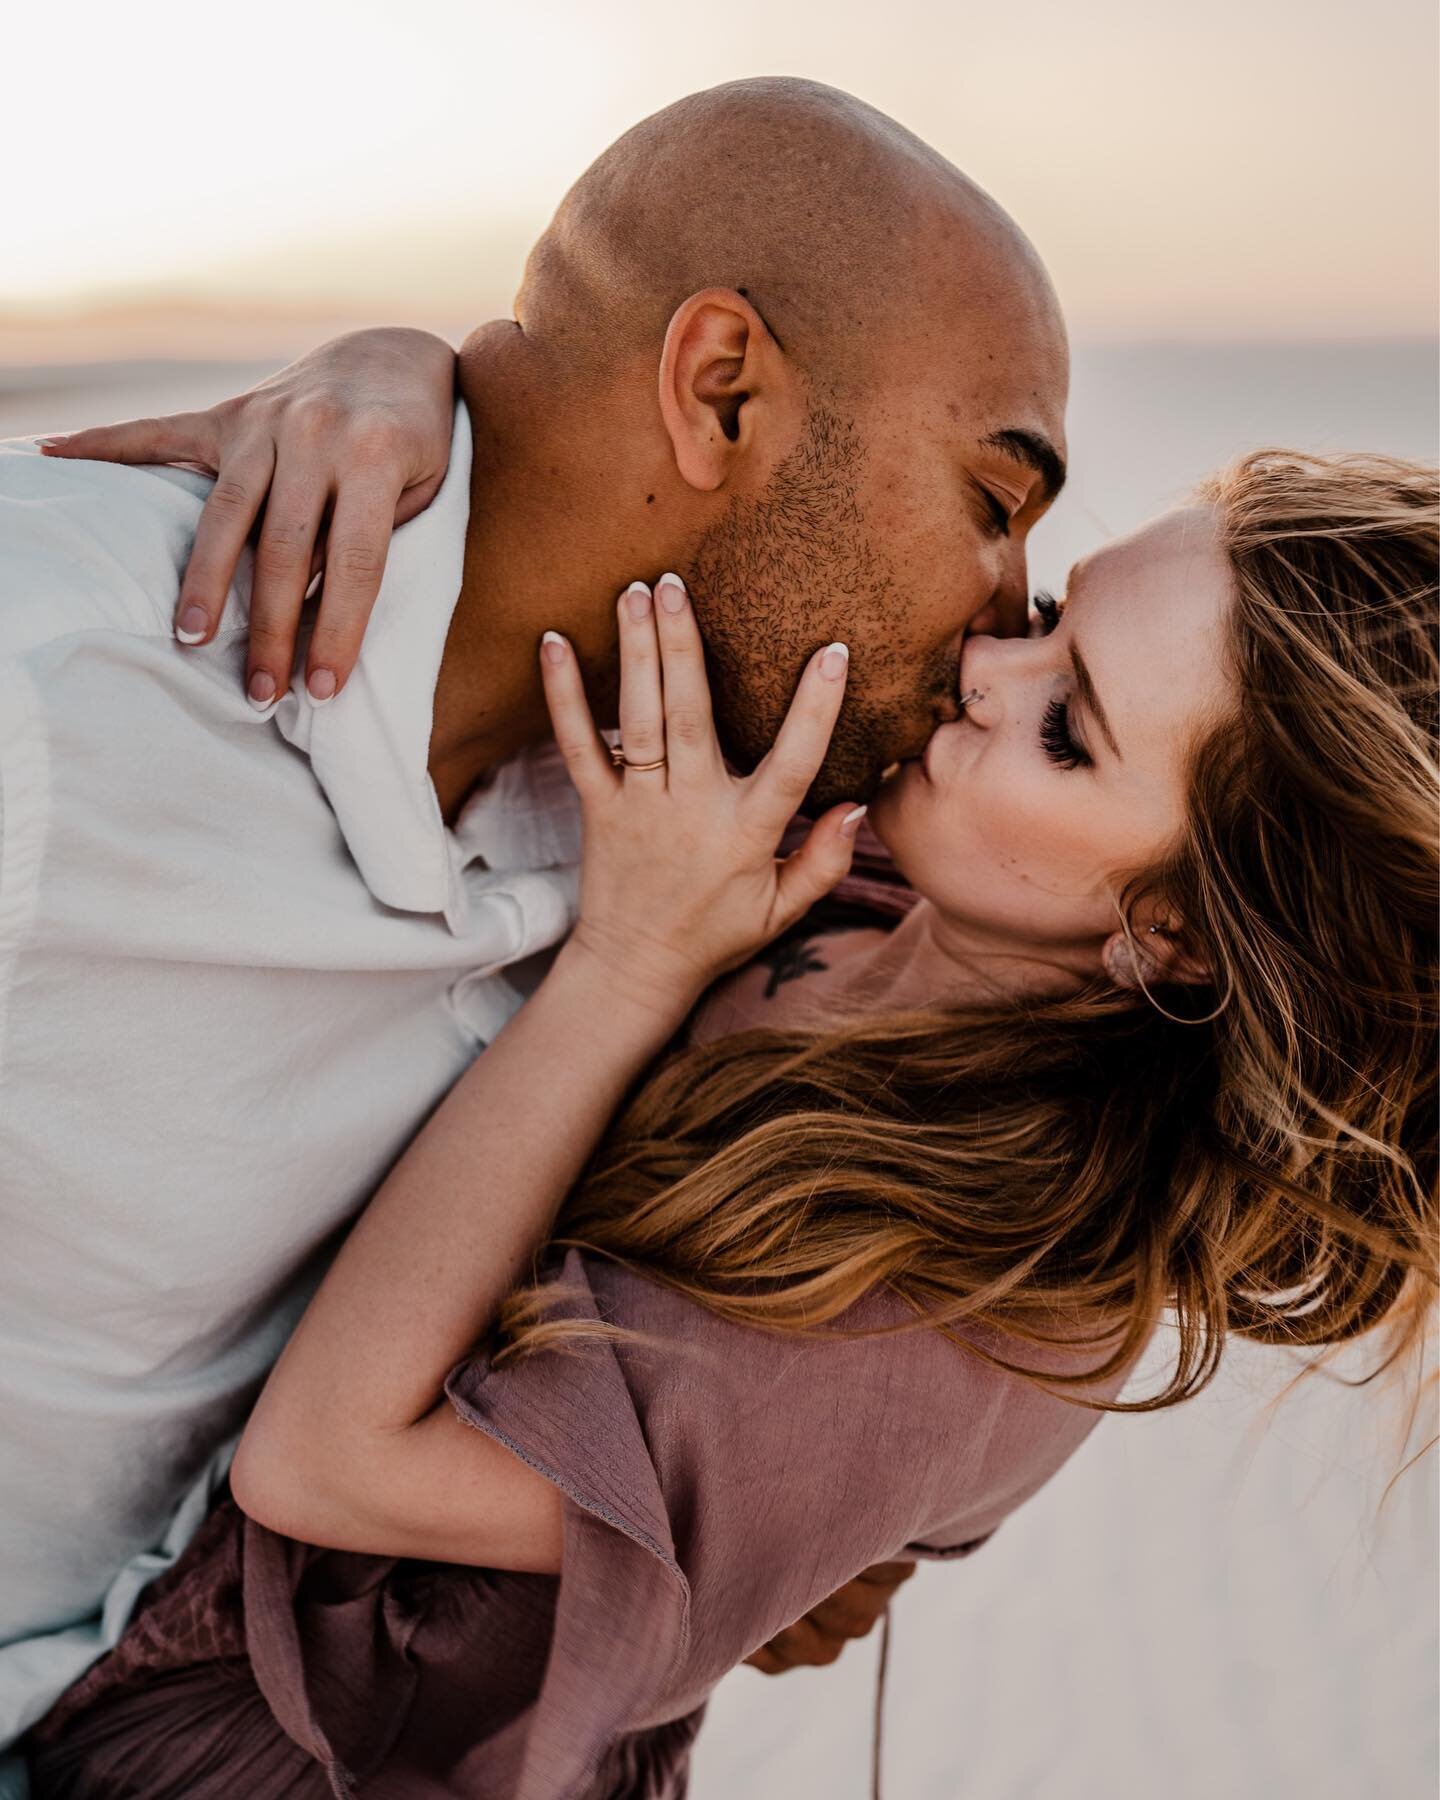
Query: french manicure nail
552	647
834	660
261	690
850	824
192	625
637	600
321	686
670	591
49	443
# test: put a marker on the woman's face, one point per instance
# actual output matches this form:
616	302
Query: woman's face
1023	817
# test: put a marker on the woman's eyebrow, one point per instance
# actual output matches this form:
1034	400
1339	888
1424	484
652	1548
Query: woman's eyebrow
1092	700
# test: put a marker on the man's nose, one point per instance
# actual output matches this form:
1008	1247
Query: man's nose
1006	612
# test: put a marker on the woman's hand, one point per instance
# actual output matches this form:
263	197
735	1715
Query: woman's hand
680	880
336	450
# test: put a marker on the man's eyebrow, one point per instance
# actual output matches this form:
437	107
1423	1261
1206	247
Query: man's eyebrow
1092	700
1035	452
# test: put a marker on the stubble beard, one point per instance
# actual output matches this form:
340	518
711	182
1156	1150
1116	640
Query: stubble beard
781	575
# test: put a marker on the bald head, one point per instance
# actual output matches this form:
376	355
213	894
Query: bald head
780	345
832	219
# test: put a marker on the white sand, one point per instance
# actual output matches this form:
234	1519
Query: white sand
1204	1605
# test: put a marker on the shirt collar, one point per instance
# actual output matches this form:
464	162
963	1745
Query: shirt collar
370	746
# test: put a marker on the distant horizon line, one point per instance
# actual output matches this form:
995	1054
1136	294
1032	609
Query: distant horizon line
1094	339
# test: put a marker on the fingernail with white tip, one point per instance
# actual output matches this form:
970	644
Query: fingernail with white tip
670	591
552	647
850	824
834	660
637	600
321	687
261	690
192	625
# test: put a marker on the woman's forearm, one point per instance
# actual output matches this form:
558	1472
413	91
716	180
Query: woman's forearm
457	1221
351	1443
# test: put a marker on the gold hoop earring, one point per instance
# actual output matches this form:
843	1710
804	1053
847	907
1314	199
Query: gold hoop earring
1140	957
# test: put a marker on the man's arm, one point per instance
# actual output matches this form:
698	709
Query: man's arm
851	1612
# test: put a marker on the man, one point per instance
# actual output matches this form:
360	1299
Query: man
770	340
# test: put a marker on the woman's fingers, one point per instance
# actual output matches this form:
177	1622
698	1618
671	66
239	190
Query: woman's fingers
371	412
415	498
689	728
226	521
293	515
175	437
642	705
820	862
354	557
584	750
780	783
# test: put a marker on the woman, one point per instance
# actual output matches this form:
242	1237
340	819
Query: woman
1157	1033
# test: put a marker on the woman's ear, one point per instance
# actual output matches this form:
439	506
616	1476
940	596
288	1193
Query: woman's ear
718	364
1152	955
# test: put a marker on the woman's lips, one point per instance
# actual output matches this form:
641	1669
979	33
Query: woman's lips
926	766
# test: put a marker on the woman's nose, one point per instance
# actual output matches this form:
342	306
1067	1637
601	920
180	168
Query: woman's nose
974	679
989	667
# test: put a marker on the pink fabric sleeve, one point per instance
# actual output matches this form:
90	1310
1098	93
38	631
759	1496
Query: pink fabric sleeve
719	1482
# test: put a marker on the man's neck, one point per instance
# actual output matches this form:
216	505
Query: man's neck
559	523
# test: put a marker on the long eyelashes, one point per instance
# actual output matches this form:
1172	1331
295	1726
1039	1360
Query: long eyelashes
1055	738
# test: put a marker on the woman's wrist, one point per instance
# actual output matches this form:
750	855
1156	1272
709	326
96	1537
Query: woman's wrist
644	999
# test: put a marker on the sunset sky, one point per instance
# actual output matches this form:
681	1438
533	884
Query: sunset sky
1238	168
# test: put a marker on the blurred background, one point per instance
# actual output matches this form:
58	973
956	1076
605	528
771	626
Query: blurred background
1238	203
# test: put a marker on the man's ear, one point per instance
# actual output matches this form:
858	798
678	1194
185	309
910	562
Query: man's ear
719	367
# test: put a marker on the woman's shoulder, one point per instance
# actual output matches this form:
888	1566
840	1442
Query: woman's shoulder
787	982
720	1480
916	1420
790	977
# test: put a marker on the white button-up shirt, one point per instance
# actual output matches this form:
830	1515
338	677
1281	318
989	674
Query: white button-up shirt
241	957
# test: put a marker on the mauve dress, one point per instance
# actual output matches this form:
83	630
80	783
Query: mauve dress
717	1484
716	1487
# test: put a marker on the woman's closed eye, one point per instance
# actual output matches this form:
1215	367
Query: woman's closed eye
1056	740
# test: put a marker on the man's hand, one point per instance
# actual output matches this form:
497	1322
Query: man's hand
851	1612
333	452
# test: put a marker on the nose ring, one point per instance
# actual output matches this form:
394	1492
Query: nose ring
970	698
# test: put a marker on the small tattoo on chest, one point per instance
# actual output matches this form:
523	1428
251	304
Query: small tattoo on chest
790	962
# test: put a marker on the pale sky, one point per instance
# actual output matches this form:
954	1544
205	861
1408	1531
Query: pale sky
1232	168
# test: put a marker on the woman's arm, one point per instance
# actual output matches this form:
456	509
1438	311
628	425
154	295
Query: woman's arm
352	1443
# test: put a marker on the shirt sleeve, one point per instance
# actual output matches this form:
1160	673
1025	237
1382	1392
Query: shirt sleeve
718	1483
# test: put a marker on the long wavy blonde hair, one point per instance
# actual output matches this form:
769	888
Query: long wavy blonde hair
1064	1171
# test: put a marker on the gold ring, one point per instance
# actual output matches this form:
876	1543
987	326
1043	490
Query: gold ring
621	761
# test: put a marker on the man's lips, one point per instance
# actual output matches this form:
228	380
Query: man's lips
915	751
